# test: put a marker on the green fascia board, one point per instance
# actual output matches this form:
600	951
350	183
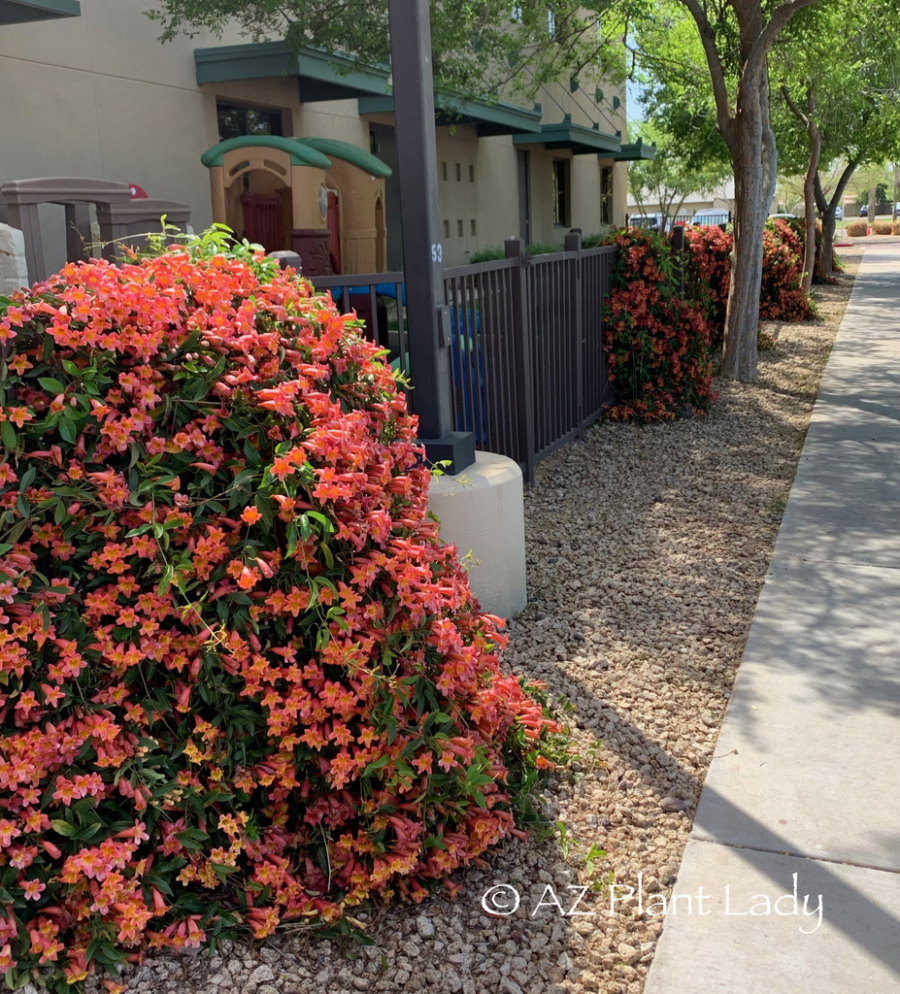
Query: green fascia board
634	151
376	105
490	117
22	11
356	156
301	155
333	76
566	135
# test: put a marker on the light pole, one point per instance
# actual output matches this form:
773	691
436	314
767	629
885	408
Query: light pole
428	318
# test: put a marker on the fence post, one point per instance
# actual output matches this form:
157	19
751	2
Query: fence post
521	340
678	254
573	244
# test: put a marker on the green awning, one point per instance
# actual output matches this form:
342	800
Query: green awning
20	11
577	137
636	150
301	155
322	75
489	117
349	153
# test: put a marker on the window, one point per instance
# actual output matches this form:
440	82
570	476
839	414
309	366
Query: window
458	173
446	229
444	170
459	229
551	22
474	230
606	194
237	120
471	174
561	192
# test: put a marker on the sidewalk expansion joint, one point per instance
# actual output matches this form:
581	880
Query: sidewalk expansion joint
799	855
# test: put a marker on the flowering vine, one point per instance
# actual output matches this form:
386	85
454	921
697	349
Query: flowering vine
242	682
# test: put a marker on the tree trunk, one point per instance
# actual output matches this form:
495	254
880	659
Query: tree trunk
873	205
827	210
807	119
896	185
754	177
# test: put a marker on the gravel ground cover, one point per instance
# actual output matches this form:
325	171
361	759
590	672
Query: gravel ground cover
647	549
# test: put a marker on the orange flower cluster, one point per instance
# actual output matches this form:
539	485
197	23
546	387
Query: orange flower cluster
241	680
709	275
657	342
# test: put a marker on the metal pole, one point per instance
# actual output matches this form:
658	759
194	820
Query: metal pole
423	254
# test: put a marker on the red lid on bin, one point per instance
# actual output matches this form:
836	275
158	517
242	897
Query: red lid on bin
138	192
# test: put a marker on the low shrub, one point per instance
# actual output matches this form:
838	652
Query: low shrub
881	228
781	296
657	343
242	682
857	229
491	254
708	275
895	228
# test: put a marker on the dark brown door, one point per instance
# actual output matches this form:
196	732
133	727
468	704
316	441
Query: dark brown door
263	220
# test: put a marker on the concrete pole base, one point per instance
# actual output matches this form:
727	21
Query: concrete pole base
482	511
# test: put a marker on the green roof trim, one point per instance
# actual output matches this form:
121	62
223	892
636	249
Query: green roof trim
349	153
322	75
577	137
301	155
636	150
490	117
23	11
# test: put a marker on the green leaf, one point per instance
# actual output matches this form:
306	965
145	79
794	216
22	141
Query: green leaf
376	764
51	384
63	827
67	430
8	434
166	580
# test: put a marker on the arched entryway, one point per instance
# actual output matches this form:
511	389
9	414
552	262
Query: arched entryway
319	193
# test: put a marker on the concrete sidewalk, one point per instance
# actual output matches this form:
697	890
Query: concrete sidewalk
804	790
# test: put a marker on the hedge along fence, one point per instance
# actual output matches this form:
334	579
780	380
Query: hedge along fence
708	275
656	340
242	682
659	338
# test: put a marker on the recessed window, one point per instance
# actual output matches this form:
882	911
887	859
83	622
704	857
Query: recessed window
238	120
458	172
459	229
471	174
561	192
473	227
446	229
444	170
606	194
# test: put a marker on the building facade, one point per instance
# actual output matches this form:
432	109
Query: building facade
97	95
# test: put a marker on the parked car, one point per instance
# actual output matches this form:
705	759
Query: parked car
839	213
864	210
785	217
710	215
651	221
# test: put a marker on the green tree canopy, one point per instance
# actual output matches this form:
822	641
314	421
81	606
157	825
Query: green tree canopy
480	46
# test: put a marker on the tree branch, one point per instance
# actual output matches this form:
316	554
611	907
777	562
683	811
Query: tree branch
716	70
